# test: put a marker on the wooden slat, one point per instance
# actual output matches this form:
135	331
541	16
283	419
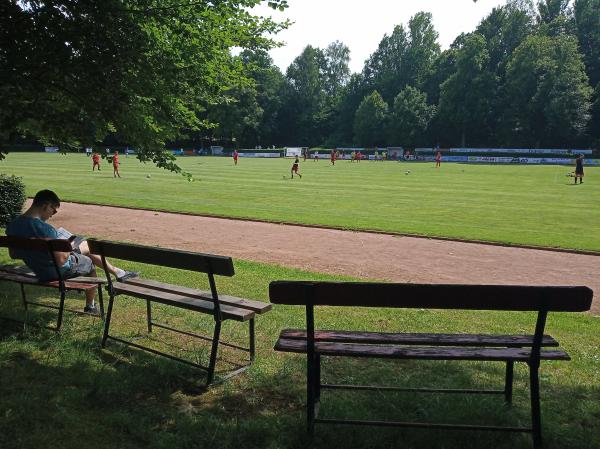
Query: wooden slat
255	306
509	341
434	296
20	278
29	280
183	302
164	257
88	279
18	269
35	244
421	353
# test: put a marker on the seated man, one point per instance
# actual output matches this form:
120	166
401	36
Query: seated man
78	262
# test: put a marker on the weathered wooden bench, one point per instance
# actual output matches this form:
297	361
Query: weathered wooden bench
426	346
24	276
221	307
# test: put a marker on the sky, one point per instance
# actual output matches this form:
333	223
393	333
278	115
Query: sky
361	24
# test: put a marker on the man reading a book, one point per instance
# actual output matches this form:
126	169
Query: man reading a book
79	262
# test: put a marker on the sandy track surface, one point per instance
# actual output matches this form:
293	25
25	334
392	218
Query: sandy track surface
359	254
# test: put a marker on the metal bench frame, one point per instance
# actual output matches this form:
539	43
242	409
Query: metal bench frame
194	300
465	297
24	276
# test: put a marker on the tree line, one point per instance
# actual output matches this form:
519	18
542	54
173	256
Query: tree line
527	76
146	73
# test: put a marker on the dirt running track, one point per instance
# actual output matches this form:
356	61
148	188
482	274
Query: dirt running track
358	254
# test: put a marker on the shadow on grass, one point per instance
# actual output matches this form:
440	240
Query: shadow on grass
64	391
79	396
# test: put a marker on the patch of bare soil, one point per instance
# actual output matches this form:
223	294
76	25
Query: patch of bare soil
359	254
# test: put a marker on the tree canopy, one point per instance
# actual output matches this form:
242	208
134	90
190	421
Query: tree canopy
148	73
144	70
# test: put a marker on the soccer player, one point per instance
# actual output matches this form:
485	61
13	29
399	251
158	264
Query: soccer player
438	159
95	161
115	162
235	157
579	169
295	168
332	157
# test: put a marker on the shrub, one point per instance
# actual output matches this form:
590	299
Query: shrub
12	198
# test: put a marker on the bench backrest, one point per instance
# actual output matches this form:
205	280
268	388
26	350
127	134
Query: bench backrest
432	296
185	260
16	246
35	244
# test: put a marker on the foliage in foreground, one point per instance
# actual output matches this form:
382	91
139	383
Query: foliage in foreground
12	198
66	390
144	71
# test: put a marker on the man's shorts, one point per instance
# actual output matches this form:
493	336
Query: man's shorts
80	266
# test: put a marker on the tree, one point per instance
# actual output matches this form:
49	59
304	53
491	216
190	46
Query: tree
410	118
370	121
504	29
76	71
548	90
304	112
587	17
403	58
250	116
550	10
466	96
337	72
343	122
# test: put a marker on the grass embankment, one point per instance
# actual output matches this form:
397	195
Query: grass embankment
534	205
66	392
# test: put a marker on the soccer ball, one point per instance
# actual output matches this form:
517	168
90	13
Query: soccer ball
407	172
147	176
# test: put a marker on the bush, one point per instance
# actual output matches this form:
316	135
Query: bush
12	198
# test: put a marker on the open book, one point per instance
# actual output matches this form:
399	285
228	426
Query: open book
66	235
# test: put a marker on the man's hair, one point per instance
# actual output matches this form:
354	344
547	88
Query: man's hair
44	197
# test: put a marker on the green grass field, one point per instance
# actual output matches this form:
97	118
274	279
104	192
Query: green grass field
66	392
535	205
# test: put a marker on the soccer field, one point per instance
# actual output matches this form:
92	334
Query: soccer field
535	205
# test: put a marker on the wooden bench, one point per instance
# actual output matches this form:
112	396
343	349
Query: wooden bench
221	307
426	346
24	276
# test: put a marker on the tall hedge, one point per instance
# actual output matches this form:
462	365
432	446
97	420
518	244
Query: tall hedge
12	198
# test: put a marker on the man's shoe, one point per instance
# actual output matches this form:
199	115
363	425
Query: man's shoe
128	275
92	310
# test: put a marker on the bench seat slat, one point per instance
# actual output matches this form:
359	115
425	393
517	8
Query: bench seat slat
184	302
421	353
80	284
254	306
419	338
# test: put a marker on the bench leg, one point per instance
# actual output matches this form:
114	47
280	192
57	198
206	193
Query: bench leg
317	384
252	346
536	419
213	353
61	309
101	301
149	315
311	392
24	298
508	382
111	301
